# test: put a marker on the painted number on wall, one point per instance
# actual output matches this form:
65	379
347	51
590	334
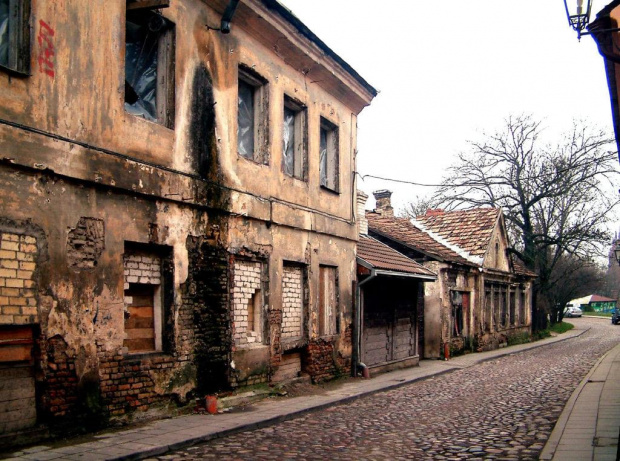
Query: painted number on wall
46	48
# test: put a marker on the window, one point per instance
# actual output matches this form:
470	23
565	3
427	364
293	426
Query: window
145	277
503	307
512	311
328	301
293	294
149	66
457	313
252	117
488	308
248	299
522	319
294	139
328	155
15	35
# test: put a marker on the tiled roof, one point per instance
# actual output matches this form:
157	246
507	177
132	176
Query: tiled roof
520	268
381	256
600	299
470	230
403	231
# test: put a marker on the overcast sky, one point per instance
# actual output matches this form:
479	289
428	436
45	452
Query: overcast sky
447	70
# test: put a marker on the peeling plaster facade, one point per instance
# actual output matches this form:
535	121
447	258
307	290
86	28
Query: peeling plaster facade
85	183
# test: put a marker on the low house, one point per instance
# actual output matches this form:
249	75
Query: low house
481	297
594	303
390	301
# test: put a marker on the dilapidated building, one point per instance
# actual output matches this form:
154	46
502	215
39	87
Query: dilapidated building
482	296
177	206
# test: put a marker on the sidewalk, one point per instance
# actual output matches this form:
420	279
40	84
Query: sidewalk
589	426
161	436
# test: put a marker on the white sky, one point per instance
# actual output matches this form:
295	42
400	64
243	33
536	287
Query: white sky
449	69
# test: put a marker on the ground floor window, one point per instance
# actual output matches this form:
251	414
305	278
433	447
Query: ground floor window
249	302
328	301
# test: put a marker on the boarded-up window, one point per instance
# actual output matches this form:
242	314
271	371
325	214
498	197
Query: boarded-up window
15	35
149	66
143	301
292	301
328	156
249	302
328	302
252	116
294	139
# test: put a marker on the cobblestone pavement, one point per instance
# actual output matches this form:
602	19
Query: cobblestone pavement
502	409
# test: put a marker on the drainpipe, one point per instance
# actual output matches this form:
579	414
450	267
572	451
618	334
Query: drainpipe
358	317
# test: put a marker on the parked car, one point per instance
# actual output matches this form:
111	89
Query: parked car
572	311
615	316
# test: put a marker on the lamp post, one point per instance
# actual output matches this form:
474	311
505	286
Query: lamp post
578	14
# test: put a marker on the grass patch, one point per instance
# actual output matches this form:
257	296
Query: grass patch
561	327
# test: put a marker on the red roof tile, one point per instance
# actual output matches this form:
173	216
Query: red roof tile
381	256
600	299
403	231
470	230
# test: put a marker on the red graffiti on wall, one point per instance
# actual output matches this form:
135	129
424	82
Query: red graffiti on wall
46	48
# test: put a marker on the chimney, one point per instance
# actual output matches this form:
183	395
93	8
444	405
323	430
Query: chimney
384	202
362	222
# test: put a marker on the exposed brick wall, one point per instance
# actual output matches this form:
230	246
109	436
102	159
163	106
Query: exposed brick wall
206	300
246	284
292	301
142	267
61	394
85	243
323	362
18	302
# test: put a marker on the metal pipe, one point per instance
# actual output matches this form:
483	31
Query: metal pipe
228	15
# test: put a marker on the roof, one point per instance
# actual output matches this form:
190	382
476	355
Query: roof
304	31
470	230
403	231
380	256
600	299
520	267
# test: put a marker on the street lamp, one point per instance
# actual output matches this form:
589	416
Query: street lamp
578	14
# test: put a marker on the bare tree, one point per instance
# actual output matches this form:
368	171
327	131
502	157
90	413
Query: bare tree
417	207
556	199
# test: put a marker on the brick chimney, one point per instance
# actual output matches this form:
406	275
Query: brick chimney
384	202
362	222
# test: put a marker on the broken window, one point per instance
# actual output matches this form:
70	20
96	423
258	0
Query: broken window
328	155
457	313
145	299
149	66
15	35
294	139
328	302
252	116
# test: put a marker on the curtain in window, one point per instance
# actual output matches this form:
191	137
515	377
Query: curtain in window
141	47
288	142
323	157
245	120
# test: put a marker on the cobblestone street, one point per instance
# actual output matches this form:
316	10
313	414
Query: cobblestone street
501	409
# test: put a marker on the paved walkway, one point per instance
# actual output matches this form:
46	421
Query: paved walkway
589	426
161	436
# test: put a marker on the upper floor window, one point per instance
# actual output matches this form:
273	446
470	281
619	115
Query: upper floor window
294	139
15	35
149	66
328	155
252	116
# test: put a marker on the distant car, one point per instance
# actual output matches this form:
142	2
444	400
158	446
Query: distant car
572	311
615	316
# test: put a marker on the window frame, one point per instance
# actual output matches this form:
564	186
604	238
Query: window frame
332	151
165	97
260	114
18	61
329	320
163	296
300	138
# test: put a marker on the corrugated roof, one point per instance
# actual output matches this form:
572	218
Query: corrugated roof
381	256
403	231
470	230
